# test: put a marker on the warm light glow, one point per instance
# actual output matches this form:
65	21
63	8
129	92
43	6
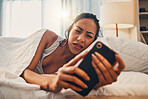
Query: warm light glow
65	14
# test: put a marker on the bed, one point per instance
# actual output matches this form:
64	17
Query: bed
132	83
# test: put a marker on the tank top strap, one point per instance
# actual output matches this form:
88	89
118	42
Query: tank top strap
52	48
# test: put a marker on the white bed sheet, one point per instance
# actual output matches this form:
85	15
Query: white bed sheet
128	83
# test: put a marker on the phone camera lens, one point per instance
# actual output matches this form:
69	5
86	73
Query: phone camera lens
99	45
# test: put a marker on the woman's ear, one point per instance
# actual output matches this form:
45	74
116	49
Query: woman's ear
68	30
67	33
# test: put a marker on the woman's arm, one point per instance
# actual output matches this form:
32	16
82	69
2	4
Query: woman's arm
43	80
28	74
55	82
47	39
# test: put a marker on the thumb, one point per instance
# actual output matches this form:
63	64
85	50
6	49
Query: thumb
76	59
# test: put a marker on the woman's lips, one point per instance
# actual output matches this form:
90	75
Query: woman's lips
77	46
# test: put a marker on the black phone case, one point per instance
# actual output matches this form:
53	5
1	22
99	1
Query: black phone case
86	65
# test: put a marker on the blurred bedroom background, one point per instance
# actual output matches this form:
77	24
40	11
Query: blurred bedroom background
20	18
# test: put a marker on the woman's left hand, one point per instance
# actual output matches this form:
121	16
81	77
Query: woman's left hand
107	74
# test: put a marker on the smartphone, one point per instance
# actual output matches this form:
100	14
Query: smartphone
86	65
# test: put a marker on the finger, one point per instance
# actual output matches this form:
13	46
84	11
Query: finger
102	80
96	68
76	59
121	65
100	76
108	66
120	61
103	69
73	79
68	85
75	70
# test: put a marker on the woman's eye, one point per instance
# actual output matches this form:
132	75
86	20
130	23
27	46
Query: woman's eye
89	36
77	31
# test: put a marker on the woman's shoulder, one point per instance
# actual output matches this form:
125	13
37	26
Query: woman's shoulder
50	37
50	34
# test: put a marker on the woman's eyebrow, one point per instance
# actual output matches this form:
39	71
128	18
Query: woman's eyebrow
90	33
86	31
80	28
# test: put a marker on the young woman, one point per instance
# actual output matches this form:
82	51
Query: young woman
54	52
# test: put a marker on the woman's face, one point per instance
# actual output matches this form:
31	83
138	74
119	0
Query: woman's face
81	35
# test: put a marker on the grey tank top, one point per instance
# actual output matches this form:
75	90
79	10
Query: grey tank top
38	69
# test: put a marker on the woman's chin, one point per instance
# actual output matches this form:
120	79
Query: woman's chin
76	52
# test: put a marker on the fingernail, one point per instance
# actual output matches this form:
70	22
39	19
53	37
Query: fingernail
79	89
92	55
96	53
88	78
85	86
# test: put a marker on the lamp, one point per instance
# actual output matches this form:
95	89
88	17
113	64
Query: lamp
117	15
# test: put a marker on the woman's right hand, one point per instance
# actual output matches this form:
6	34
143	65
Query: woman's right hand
59	81
107	74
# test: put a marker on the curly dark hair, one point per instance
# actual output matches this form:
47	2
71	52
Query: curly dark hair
88	16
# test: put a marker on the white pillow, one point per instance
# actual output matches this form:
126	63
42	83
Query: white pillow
134	54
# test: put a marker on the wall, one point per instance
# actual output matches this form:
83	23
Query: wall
95	7
0	17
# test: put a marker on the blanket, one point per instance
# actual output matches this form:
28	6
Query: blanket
15	55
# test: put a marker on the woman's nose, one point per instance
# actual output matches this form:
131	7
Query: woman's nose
81	38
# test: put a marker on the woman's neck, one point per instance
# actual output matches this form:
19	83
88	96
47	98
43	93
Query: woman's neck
65	51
